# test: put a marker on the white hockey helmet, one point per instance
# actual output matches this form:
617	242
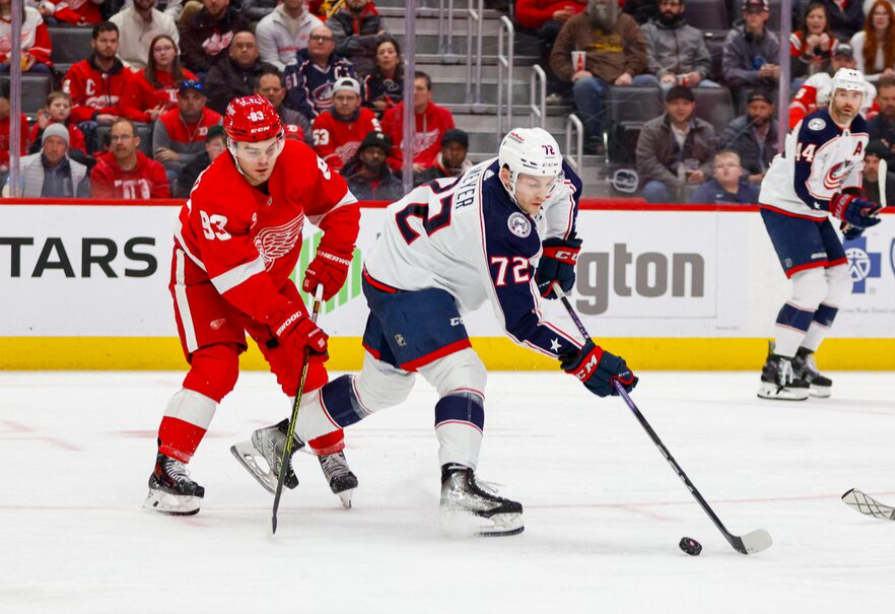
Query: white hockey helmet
532	151
849	79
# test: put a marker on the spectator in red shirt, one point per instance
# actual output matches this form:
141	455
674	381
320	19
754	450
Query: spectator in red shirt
97	83
432	122
36	45
179	135
71	12
339	131
4	129
58	111
153	90
126	173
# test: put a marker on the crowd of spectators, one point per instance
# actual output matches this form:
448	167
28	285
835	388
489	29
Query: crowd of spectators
140	115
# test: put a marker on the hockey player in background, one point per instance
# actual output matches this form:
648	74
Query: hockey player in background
503	232
818	175
237	242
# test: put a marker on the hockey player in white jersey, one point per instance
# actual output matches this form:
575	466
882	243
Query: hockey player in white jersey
818	175
503	232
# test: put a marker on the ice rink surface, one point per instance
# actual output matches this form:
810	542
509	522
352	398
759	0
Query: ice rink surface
603	511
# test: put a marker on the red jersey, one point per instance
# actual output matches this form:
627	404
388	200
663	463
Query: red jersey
4	140
182	132
246	241
35	37
93	91
139	95
75	12
430	128
146	180
75	137
337	140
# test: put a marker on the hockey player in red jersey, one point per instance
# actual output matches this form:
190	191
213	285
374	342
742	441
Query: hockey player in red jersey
339	131
237	242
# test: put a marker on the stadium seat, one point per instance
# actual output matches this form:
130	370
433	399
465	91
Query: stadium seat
70	44
706	14
144	131
35	89
714	105
627	109
716	49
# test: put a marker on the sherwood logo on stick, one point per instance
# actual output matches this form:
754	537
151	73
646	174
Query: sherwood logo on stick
649	275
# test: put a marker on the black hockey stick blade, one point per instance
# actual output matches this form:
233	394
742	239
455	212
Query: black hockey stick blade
867	505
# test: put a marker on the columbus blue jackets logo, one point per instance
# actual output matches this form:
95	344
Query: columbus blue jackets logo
519	225
817	124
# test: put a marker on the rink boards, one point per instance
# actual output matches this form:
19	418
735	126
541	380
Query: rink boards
84	285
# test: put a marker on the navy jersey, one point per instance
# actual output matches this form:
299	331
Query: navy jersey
466	236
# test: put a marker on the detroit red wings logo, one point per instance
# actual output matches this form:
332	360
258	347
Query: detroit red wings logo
347	151
277	241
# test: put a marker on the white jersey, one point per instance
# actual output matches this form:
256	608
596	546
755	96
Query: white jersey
820	159
467	237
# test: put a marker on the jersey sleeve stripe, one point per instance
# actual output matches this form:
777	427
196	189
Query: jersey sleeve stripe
237	275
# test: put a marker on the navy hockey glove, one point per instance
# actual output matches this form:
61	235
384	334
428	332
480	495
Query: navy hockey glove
850	232
557	264
856	211
597	369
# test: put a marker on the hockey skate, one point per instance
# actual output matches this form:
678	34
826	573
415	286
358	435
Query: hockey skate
340	477
805	368
171	491
778	380
469	506
261	456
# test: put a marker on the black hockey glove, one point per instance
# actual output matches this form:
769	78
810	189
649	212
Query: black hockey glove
597	369
557	264
856	211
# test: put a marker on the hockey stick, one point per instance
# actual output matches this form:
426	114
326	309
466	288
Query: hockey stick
867	505
287	449
751	543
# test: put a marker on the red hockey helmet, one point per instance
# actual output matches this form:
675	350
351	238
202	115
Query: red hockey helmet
251	119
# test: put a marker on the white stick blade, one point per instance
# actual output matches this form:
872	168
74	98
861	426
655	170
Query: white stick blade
757	541
867	505
883	181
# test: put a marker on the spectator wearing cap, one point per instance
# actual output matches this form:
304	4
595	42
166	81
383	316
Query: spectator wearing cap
811	46
615	55
339	132
432	121
50	173
153	90
384	87
676	51
206	36
236	76
125	172
58	111
139	26
309	82
35	43
846	17
751	51
753	136
356	28
179	135
4	128
882	127
728	186
285	32
451	161
675	149
271	85
367	173
877	151
215	145
815	92
874	46
291	131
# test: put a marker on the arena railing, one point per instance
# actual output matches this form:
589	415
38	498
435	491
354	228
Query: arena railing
506	34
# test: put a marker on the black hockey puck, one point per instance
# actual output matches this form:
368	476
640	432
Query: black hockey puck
690	546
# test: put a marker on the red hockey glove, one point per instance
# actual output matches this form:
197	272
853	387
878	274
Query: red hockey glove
329	269
293	326
598	370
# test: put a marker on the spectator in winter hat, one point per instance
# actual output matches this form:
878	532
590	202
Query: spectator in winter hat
368	174
451	161
50	173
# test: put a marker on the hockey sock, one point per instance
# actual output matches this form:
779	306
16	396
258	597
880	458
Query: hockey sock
328	444
184	424
820	325
459	423
792	325
323	414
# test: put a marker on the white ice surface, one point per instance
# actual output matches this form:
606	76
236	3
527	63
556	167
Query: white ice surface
603	511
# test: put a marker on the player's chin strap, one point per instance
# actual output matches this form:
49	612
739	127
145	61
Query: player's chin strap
232	148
